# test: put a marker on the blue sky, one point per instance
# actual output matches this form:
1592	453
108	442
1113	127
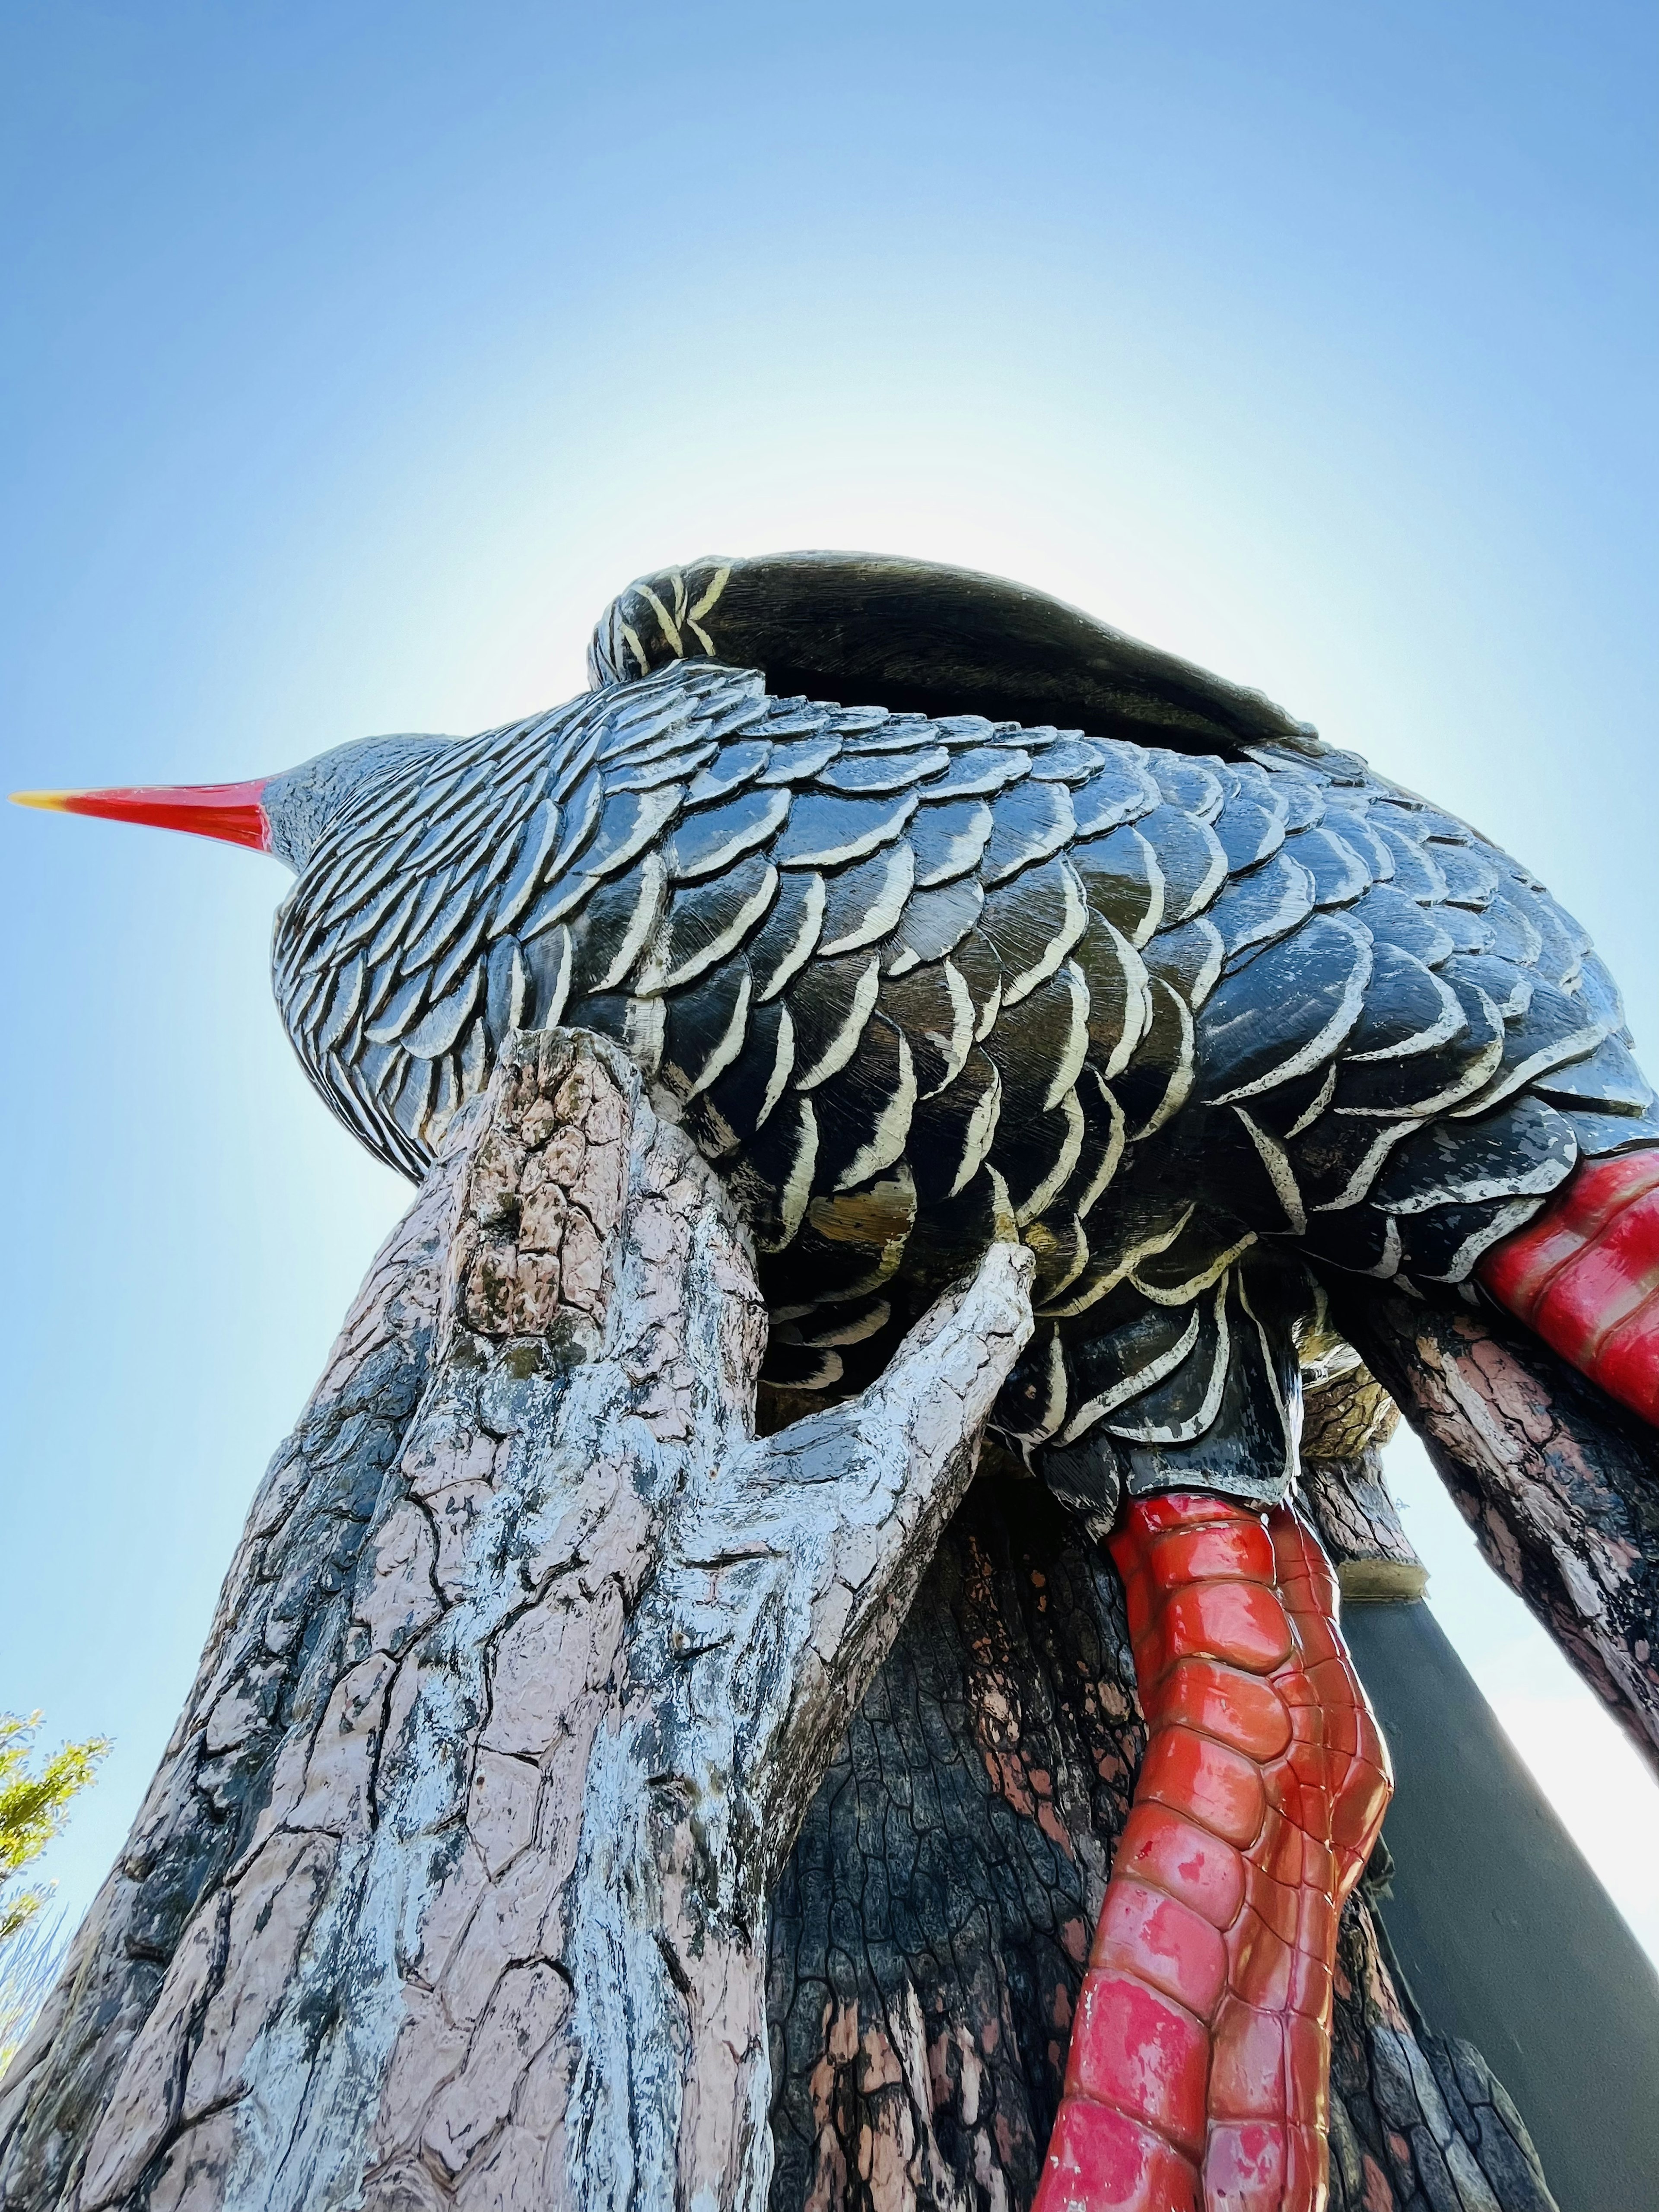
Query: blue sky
353	355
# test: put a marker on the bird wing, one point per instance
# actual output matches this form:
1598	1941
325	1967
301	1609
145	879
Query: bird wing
928	639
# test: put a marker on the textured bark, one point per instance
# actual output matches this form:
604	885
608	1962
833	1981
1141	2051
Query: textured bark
468	1906
931	1927
1419	2121
275	1653
452	1889
1560	1487
929	1932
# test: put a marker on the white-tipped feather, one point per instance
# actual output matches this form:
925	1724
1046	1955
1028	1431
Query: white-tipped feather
844	1043
1074	1051
892	1128
1060	1175
977	1139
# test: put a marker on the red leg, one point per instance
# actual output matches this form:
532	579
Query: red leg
1326	1794
1199	2058
1585	1273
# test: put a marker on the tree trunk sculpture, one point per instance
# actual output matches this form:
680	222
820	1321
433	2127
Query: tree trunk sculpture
453	1885
451	1888
931	1930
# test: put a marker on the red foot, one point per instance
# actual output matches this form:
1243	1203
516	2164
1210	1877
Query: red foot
1199	2073
1585	1273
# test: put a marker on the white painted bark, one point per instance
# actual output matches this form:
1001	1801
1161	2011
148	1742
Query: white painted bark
496	1933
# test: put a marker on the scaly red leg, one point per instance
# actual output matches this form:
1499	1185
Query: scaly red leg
1585	1273
1199	2070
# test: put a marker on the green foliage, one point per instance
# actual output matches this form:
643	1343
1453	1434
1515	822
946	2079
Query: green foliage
33	1807
29	1964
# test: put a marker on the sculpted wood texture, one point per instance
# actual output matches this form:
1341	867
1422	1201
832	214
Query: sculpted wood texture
452	1887
932	1926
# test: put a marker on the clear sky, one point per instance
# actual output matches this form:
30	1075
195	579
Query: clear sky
354	353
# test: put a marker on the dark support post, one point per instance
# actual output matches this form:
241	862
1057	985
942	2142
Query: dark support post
1502	1935
1502	1932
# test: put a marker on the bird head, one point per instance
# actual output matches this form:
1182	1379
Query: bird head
283	815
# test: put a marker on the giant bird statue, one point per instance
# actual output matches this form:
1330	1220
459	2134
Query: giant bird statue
1062	939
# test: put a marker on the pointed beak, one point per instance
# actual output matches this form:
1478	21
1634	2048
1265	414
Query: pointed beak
232	811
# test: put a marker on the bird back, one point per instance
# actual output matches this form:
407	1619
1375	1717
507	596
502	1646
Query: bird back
1194	1028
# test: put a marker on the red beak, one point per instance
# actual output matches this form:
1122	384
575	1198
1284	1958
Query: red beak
229	811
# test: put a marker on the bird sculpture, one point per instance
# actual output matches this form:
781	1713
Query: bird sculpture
1059	938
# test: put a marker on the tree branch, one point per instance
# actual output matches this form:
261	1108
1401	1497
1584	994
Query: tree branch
1560	1487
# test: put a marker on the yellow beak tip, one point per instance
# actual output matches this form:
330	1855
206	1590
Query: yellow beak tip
54	802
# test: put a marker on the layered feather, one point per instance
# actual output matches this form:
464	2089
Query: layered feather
1182	1024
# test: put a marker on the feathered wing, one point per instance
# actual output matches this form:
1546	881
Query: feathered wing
1181	1023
